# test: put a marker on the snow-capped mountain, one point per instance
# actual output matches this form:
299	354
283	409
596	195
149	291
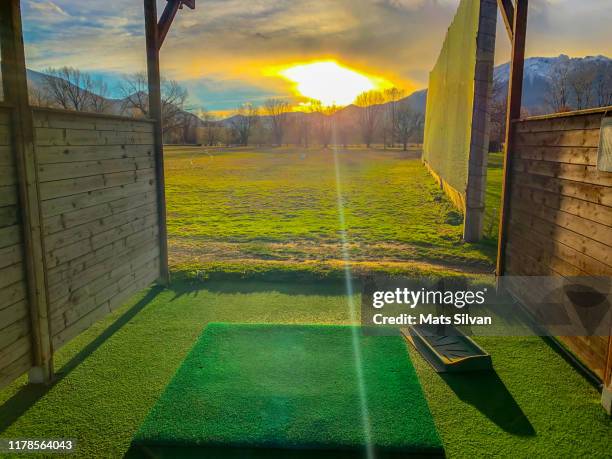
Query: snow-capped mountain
541	72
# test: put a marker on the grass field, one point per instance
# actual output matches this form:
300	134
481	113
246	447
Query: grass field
533	405
493	197
253	211
279	208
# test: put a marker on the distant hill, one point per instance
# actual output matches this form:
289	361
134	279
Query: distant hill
539	75
38	81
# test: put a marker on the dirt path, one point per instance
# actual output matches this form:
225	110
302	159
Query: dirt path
362	256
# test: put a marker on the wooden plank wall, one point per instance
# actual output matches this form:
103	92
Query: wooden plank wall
100	217
560	216
15	339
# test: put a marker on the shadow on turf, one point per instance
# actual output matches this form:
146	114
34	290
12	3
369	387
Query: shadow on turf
230	452
320	288
28	395
486	392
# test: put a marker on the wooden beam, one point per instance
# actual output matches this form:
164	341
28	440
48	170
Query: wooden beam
513	112
168	16
507	11
155	112
166	21
16	93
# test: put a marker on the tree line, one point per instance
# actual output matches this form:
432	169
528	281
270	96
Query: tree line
379	117
382	117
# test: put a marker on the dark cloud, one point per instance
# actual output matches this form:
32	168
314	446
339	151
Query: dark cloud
234	40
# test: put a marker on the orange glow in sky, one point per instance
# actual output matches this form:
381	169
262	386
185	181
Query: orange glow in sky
330	82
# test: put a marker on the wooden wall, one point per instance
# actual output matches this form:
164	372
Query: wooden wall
98	202
560	215
15	340
99	208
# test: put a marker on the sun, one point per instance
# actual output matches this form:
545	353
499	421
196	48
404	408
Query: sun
329	82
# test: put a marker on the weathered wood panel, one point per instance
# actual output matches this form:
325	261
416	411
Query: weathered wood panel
15	341
67	154
99	206
560	215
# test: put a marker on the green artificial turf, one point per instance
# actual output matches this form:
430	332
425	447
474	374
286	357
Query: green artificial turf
295	388
534	404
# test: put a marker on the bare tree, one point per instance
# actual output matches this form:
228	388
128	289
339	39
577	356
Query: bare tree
39	97
559	87
391	97
135	92
277	110
305	121
134	89
603	89
69	88
344	134
244	121
581	81
371	109
325	122
497	109
173	98
210	129
186	127
99	101
409	124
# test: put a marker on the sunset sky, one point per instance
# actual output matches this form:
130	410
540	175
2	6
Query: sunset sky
230	51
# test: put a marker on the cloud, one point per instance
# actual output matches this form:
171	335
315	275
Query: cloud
47	7
234	41
416	4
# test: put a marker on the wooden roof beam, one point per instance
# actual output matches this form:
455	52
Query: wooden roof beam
507	11
168	16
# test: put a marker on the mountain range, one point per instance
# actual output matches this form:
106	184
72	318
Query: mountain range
539	76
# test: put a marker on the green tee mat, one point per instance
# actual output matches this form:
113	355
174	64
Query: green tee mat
290	391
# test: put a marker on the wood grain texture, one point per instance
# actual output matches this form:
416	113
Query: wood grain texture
14	76
99	203
16	368
590	349
574	172
571	138
15	339
68	154
571	155
564	123
560	211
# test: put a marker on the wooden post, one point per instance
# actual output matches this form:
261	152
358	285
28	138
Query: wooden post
606	393
515	94
16	94
155	112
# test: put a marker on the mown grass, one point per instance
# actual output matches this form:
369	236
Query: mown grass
493	197
533	405
280	207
